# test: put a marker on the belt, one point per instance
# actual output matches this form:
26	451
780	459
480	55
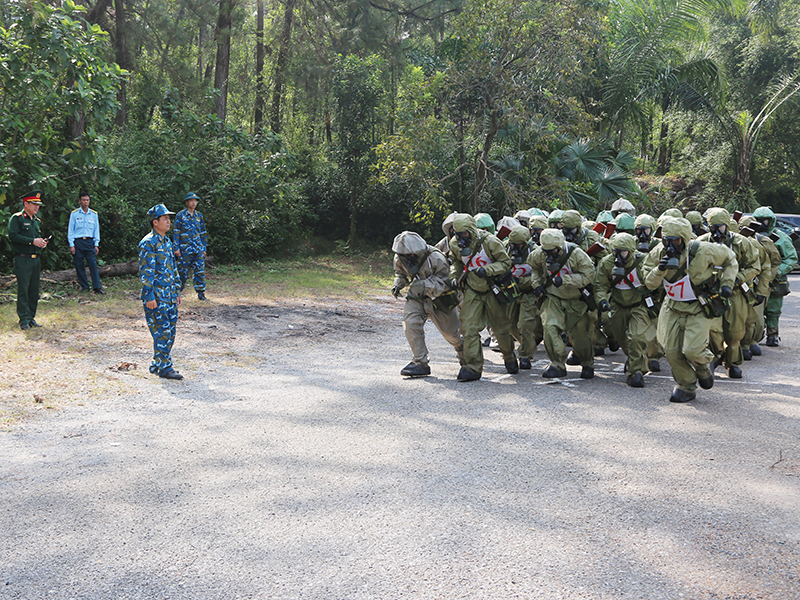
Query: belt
85	238
27	255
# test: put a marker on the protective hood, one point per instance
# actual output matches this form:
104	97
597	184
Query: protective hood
675	213
536	212
465	222
605	216
447	223
694	217
645	220
746	221
523	216
623	206
765	212
519	235
485	222
555	216
538	222
552	238
625	222
672	227
409	242
718	216
733	226
509	222
624	241
571	218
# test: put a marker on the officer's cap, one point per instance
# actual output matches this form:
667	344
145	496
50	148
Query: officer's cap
34	197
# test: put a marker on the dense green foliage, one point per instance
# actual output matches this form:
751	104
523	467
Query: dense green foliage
391	114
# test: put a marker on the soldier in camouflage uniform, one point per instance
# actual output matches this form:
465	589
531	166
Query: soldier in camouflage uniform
477	257
426	270
559	273
621	294
160	290
685	268
727	345
189	239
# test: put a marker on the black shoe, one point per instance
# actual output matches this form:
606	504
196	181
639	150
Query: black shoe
201	296
170	374
755	350
525	363
613	346
715	363
654	366
99	291
772	340
636	380
572	360
466	375
678	395
512	366
24	326
153	369
554	371
735	372
706	382
413	369
33	323
599	351
587	373
746	354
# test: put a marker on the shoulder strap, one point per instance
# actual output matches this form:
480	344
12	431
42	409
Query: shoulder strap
617	280
552	274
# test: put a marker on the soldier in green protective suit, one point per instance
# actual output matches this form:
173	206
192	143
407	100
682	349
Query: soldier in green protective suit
780	284
523	314
554	220
425	270
621	294
559	273
645	229
770	260
696	219
537	225
688	271
625	223
484	221
725	341
478	257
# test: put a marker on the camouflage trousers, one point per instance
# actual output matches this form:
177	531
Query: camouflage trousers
162	322
195	263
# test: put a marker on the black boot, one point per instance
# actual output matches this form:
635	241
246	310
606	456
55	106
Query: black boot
653	365
636	380
706	382
734	372
525	363
466	375
678	395
755	350
572	360
512	366
587	373
553	371
612	346
746	354
772	340
414	369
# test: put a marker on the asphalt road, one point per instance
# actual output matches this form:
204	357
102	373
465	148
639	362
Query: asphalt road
306	467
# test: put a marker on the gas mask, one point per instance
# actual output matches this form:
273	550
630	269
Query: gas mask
552	256
411	263
674	248
556	225
718	233
464	239
765	223
519	252
698	229
535	233
643	238
620	261
570	233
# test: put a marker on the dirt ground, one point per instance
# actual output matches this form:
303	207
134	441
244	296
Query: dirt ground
294	462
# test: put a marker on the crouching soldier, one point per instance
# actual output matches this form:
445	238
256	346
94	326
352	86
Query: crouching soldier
478	258
698	279
621	294
560	273
425	271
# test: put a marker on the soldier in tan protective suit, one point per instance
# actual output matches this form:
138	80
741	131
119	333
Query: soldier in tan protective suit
425	271
526	322
559	273
686	269
478	257
770	260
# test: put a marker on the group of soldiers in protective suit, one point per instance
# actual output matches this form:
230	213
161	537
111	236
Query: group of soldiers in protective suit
697	290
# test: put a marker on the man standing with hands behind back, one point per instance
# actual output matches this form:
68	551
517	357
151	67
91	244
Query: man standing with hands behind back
160	290
24	232
83	235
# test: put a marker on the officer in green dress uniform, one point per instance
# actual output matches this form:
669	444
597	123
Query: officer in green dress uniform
24	232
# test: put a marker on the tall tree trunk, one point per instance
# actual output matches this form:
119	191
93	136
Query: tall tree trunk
260	52
123	59
280	66
200	39
662	149
223	61
483	160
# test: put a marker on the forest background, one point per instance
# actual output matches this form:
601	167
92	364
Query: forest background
307	123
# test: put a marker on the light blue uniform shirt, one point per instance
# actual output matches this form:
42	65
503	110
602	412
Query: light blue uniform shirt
83	224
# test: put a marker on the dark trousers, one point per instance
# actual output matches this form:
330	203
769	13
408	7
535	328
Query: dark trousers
27	271
84	251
